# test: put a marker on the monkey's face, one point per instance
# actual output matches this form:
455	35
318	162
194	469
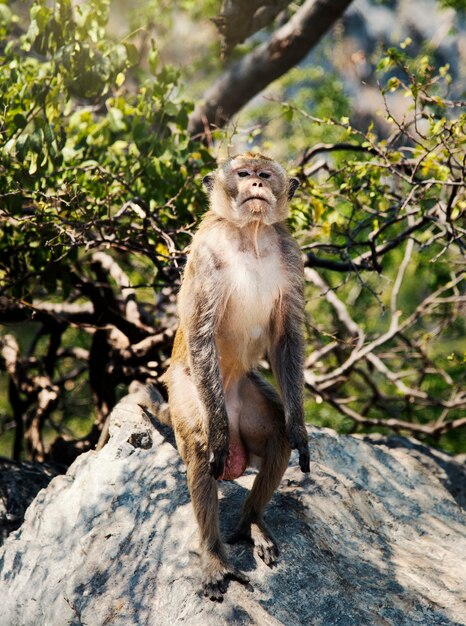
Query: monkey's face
250	188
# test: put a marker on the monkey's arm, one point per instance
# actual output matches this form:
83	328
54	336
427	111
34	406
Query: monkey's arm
287	352
287	360
202	295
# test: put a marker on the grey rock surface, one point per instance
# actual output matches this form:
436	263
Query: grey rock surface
371	537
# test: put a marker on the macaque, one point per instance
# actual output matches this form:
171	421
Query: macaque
241	297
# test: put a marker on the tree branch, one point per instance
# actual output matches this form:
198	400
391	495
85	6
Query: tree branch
286	47
337	266
239	19
433	429
310	153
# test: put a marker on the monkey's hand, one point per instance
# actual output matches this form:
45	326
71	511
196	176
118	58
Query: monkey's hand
298	439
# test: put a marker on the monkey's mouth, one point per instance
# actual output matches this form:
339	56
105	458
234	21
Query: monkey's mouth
250	198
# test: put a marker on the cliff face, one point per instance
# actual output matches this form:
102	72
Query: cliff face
372	536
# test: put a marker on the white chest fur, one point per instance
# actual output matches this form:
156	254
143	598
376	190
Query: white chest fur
255	279
255	285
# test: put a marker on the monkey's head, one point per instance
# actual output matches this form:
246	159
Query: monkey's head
249	188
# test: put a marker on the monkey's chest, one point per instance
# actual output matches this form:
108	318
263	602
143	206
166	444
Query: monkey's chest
256	287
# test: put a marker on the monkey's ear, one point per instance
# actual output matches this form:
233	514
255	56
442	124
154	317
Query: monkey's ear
208	182
293	184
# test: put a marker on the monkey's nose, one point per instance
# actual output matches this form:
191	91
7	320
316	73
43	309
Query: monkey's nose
257	184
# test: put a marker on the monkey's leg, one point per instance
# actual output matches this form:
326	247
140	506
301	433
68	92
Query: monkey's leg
215	566
252	525
191	438
264	434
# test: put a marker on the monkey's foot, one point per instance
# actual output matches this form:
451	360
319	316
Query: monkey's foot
258	534
264	542
215	582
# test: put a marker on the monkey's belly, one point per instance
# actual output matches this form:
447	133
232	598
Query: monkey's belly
236	462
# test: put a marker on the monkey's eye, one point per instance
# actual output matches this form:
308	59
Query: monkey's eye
264	175
243	173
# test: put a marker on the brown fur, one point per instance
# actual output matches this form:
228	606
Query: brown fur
241	296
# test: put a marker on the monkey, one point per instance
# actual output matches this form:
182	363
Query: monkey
241	296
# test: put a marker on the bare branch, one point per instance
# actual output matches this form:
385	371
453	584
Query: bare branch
401	273
434	430
47	398
394	378
133	311
286	47
326	384
328	380
340	308
313	260
332	147
239	19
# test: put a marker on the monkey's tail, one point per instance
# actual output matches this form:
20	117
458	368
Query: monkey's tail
150	398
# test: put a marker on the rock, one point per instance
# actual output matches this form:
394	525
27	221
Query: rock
451	472
371	537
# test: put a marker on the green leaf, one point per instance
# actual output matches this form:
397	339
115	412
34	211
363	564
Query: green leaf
36	141
19	120
22	146
132	53
153	60
33	163
6	16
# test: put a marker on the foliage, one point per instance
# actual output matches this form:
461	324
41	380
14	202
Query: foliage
387	234
78	147
459	5
86	163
